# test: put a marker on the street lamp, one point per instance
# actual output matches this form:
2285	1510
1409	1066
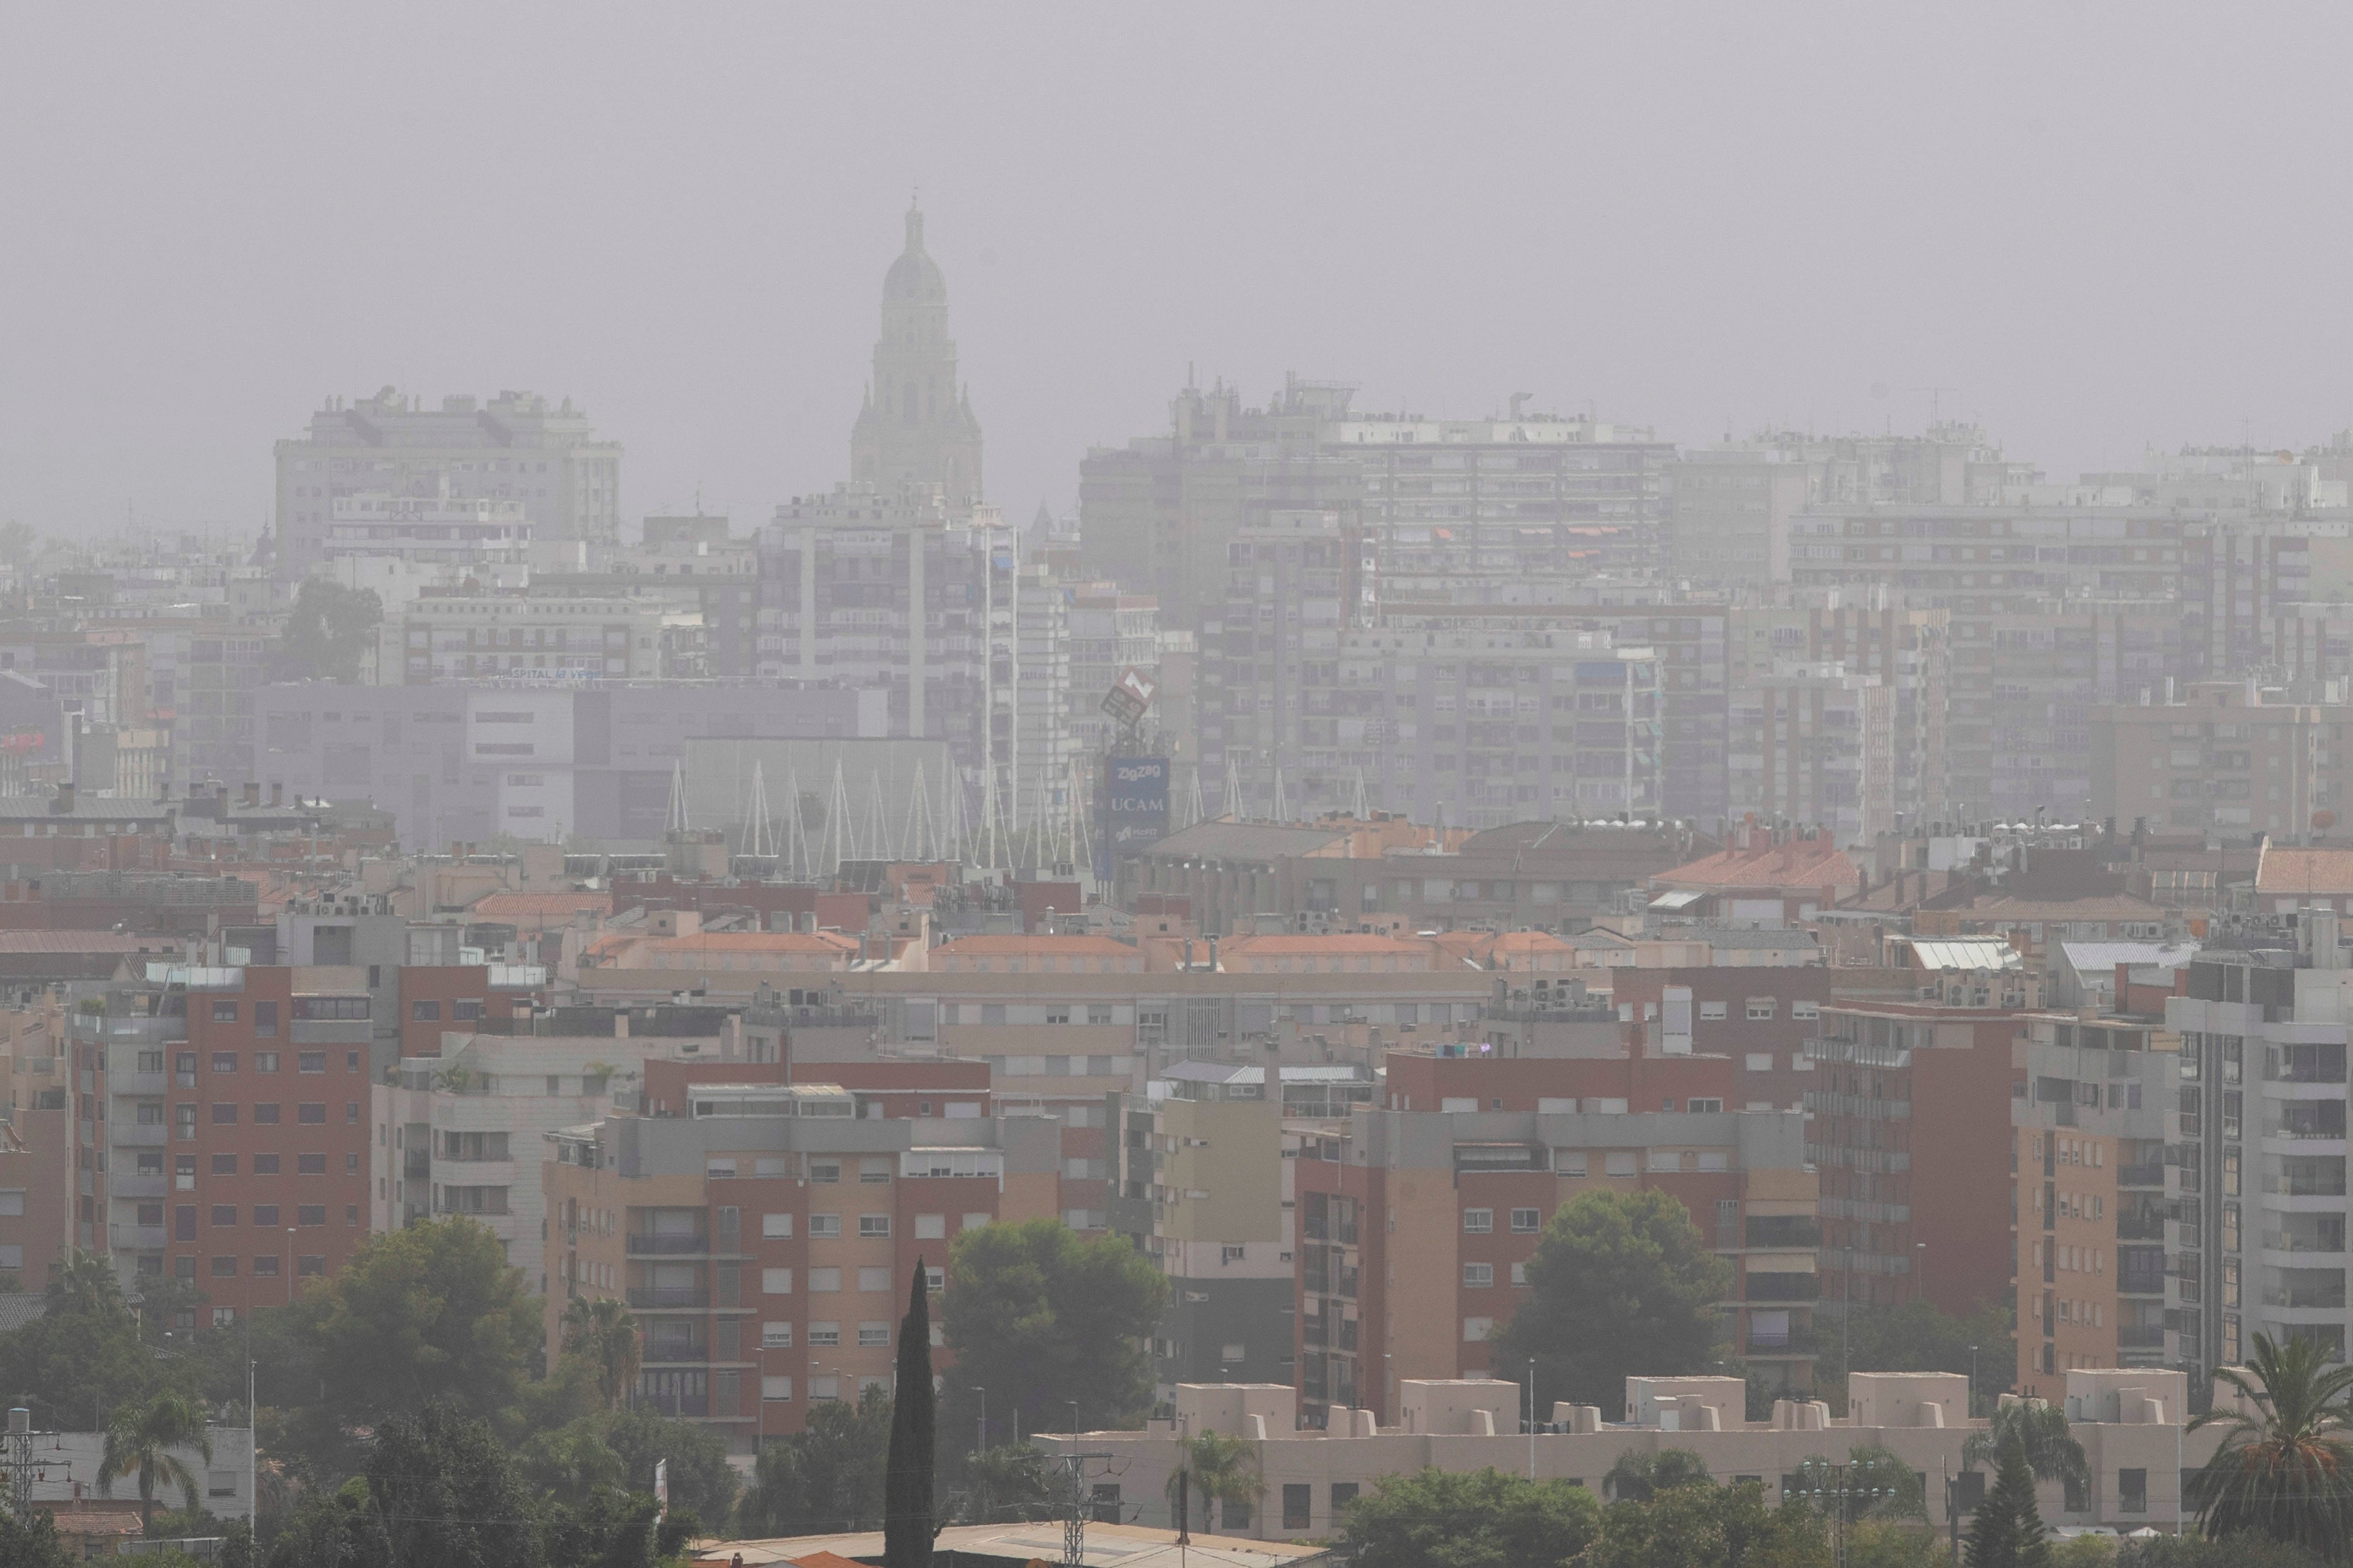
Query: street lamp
1920	1273
984	1416
1973	1381
1074	1416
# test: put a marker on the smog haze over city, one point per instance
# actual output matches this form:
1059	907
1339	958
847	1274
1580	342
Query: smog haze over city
1336	786
2100	226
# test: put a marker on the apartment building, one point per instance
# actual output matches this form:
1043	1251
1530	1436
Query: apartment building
2088	1187
1200	1183
514	448
44	1213
887	588
1908	1121
2226	758
461	1130
1815	743
237	1140
2129	1422
1872	633
1271	726
453	538
1690	638
1729	510
1416	1220
766	1234
2257	1173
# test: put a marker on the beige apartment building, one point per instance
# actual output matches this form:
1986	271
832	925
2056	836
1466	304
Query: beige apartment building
2128	1421
2223	759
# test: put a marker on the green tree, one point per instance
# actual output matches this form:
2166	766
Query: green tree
1011	1481
1642	1476
701	1479
907	1477
2241	1551
608	1529
826	1478
1621	1283
1218	1469
1885	1543
2038	1430
1706	1526
602	1331
85	1357
1470	1518
445	1490
34	1545
431	1312
1917	1337
327	633
1041	1318
140	1443
2007	1531
2284	1469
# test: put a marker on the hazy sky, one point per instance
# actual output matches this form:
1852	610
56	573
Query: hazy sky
2103	225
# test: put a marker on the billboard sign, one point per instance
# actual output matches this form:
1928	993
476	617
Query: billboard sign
1130	697
1134	808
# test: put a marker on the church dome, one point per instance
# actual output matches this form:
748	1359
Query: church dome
916	277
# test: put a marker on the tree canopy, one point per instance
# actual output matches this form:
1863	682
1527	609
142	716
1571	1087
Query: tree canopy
1475	1519
2006	1531
2284	1468
431	1312
1621	1284
87	1358
328	632
827	1478
1041	1317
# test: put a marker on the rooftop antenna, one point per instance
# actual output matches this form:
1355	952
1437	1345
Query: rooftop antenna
1281	805
676	822
760	839
1358	808
1233	804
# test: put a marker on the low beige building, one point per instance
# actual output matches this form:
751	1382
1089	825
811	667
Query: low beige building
2129	1422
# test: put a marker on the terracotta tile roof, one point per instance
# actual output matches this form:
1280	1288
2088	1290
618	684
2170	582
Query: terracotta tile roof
824	941
2286	868
1799	863
1035	947
510	906
1341	944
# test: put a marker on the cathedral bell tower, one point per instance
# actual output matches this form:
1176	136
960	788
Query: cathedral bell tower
917	423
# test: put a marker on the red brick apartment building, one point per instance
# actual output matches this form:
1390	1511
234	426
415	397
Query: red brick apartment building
1910	1128
1415	1225
766	1232
268	1128
440	998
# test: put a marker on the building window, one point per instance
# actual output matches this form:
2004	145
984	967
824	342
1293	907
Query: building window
265	1215
775	1336
425	1012
311	1214
1478	1222
266	1115
225	1013
874	1226
1297	1501
930	1227
223	1214
874	1280
1525	1222
1760	1008
873	1333
825	1171
265	1024
265	1061
2132	1492
224	1115
779	1390
776	1227
265	1164
314	1115
821	1334
825	1226
310	1061
777	1282
824	1280
1478	1276
222	1165
223	1268
224	1061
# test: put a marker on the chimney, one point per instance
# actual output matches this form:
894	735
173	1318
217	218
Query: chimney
63	803
252	793
1213	955
277	793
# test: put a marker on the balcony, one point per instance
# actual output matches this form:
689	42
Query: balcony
135	1185
645	1246
136	1085
1794	1343
2151	1175
136	1237
2140	1337
1781	1287
332	1031
139	1134
664	1297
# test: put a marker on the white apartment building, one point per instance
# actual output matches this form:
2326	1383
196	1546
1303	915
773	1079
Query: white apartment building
515	447
461	635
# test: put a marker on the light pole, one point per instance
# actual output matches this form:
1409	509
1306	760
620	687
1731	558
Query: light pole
290	1265
984	1416
1920	1273
1075	1418
1973	1382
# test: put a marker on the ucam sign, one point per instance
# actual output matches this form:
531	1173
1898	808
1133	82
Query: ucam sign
1135	800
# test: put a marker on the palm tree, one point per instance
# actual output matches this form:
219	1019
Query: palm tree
2285	1470
84	1281
2040	1430
1223	1469
602	1330
140	1442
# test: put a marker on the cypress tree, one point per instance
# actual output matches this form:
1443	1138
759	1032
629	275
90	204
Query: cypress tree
2007	1529
907	1485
